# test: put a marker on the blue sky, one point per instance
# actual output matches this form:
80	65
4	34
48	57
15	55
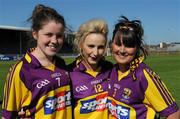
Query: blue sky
160	18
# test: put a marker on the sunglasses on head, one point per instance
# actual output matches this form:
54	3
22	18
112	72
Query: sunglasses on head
126	28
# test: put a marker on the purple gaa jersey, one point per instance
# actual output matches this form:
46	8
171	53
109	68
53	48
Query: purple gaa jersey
90	90
138	93
44	92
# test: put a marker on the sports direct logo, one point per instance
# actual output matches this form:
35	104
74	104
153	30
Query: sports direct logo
95	104
118	111
57	103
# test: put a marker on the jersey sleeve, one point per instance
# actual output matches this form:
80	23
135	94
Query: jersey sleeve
157	94
15	93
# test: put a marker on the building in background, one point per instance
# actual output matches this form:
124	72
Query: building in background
16	40
13	39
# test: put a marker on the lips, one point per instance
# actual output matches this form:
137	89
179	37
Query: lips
94	58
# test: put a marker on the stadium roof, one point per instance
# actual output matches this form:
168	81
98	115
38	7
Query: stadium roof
26	29
15	28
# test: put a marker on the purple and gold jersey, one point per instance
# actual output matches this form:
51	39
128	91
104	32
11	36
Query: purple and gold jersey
138	93
43	91
90	90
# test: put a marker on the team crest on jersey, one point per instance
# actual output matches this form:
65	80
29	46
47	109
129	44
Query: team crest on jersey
126	94
118	111
95	104
57	103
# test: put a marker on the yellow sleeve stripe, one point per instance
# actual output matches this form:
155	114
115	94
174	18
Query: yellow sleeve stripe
4	93
7	85
168	93
9	82
165	93
161	90
152	95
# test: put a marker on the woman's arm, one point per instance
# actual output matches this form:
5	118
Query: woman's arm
175	115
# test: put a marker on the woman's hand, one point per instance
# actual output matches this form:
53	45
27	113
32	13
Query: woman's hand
22	114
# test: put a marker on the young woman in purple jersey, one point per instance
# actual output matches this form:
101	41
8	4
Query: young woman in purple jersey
39	83
90	71
136	92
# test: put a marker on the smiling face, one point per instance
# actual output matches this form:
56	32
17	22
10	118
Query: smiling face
49	39
93	48
123	53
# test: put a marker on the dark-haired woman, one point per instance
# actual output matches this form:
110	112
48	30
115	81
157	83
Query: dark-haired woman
39	83
136	92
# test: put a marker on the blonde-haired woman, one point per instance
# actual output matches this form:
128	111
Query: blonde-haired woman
89	72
